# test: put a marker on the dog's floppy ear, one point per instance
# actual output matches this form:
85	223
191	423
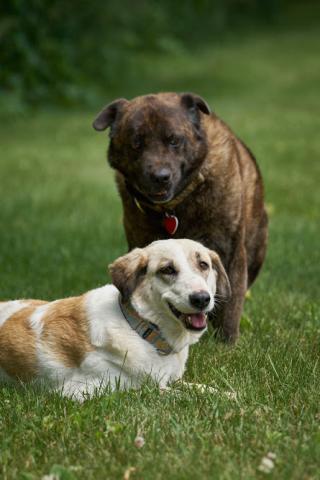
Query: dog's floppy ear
223	284
126	271
193	103
108	114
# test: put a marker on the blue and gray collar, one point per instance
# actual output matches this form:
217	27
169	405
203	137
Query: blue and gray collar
145	329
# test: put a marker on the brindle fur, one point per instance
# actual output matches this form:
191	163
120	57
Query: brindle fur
226	212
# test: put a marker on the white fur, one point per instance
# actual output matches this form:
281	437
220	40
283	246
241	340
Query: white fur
123	357
36	319
10	308
119	356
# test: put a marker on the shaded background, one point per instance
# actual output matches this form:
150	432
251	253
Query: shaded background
73	53
256	62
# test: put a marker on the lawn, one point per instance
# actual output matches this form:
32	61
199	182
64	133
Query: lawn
60	222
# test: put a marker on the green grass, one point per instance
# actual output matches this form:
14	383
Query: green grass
60	221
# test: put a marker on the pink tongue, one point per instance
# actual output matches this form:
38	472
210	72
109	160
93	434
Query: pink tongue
198	320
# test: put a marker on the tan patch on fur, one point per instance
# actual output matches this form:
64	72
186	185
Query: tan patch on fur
126	271
223	284
34	303
165	262
66	332
17	345
195	260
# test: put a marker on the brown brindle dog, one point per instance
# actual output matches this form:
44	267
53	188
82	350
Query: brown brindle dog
181	172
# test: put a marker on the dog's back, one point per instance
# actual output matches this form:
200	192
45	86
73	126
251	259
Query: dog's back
17	340
35	335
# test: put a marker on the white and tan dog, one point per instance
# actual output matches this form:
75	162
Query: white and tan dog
104	337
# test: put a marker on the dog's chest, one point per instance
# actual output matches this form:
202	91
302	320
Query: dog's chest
134	366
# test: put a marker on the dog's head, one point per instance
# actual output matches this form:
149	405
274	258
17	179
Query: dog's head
173	283
156	141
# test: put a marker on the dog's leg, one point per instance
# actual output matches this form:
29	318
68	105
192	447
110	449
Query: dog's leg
230	313
259	250
81	388
201	388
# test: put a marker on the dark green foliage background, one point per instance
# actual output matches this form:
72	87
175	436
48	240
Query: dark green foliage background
69	52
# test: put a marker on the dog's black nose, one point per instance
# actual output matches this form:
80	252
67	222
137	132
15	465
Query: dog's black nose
161	177
200	299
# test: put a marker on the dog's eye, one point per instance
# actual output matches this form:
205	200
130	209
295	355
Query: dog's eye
203	265
137	142
168	270
174	141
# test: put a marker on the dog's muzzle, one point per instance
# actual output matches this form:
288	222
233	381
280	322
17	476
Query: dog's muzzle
192	321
